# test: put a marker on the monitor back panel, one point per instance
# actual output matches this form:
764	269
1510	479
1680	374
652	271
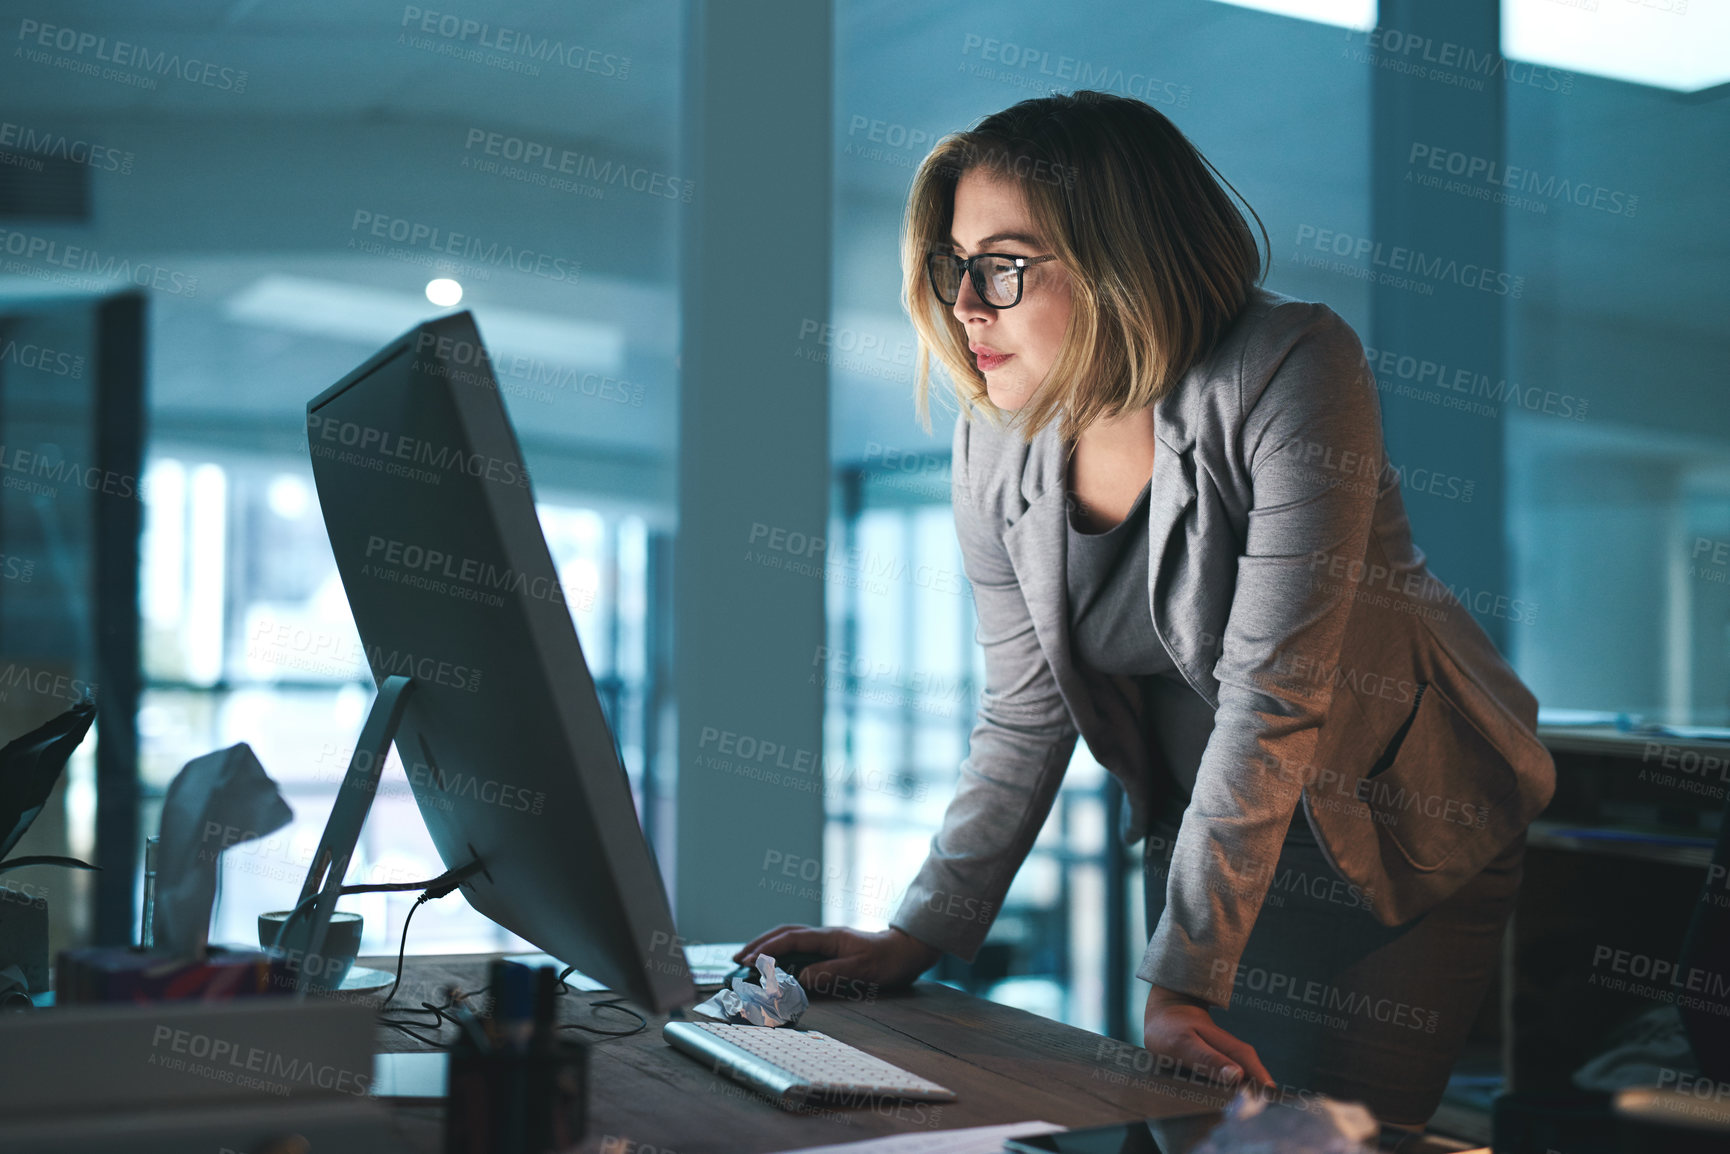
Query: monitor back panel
506	748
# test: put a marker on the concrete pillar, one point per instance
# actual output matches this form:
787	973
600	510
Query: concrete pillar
753	488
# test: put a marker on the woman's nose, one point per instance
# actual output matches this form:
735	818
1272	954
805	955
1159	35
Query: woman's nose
968	304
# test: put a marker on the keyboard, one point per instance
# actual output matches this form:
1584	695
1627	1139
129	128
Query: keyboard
712	962
792	1067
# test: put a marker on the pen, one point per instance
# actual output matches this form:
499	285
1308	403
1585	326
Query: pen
456	997
471	1029
496	982
546	989
513	1004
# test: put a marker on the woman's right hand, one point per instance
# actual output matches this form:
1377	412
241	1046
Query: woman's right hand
887	958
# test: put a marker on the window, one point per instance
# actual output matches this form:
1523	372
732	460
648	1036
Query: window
248	637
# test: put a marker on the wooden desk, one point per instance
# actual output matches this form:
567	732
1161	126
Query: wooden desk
1005	1065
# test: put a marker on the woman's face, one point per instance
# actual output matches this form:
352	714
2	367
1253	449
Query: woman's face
1014	347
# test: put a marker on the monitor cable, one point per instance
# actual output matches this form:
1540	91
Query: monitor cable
454	998
438	887
608	1004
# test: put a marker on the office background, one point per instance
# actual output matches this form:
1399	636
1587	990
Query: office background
677	226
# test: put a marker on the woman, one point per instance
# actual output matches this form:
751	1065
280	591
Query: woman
1187	545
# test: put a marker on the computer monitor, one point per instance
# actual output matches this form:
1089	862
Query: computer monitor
432	520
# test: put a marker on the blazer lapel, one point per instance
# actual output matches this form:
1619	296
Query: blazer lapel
1168	539
1038	547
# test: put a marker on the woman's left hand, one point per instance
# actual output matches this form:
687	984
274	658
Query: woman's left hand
1179	1026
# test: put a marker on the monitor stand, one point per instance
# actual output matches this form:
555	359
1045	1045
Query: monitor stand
354	801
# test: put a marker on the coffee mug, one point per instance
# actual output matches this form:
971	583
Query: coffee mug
341	944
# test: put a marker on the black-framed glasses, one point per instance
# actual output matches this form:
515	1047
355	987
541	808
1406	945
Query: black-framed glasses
997	276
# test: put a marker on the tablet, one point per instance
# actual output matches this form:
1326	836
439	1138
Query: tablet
1151	1136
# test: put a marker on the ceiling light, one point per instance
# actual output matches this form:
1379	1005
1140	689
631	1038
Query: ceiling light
1664	43
1356	14
444	292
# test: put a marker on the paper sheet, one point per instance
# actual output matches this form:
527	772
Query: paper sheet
968	1140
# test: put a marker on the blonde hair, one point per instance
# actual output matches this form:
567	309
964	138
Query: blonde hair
1161	261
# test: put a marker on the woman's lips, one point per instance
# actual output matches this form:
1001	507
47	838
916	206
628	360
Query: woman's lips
989	361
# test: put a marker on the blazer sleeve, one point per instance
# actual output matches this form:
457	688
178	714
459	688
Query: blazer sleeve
1308	406
1017	754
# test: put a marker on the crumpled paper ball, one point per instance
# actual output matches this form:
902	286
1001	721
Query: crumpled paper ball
779	1001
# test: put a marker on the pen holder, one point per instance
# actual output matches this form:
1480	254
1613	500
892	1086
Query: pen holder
506	1102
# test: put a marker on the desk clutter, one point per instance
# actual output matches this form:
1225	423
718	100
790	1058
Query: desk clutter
123	974
216	801
171	1044
515	1086
220	800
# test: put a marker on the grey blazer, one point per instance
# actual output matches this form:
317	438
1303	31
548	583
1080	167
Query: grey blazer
1284	584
